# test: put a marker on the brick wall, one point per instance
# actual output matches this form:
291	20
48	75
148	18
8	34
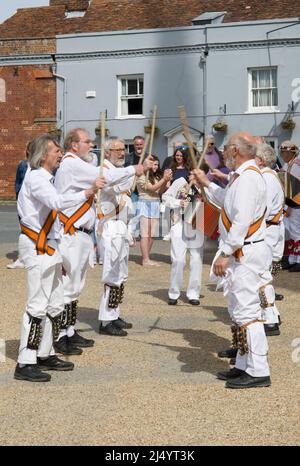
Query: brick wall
29	110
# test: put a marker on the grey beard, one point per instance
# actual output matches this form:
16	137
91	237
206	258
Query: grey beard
230	163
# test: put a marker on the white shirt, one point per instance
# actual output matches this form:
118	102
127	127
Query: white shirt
38	197
114	195
244	202
275	194
74	174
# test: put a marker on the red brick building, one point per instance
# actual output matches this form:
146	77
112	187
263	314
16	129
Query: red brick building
28	47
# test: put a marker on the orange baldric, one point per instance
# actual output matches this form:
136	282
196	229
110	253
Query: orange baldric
68	222
275	219
251	230
40	238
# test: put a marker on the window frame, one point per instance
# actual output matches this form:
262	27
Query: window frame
136	76
261	109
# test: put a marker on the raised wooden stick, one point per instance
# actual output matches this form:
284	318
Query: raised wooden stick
154	113
102	123
141	158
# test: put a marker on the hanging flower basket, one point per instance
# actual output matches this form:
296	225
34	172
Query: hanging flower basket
55	131
288	124
148	128
220	126
98	131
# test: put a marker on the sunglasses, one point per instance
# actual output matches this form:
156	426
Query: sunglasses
181	147
287	148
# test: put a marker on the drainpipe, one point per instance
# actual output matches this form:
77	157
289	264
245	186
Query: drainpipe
64	79
203	64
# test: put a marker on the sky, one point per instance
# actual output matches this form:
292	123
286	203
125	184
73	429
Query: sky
9	7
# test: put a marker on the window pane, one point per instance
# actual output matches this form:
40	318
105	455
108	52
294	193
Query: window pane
124	87
274	97
274	78
255	98
254	79
141	87
264	78
135	106
132	86
265	98
124	107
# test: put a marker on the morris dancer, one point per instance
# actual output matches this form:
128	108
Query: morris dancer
45	304
265	159
184	237
76	245
241	259
116	209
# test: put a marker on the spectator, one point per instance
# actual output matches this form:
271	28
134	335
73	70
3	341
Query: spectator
149	206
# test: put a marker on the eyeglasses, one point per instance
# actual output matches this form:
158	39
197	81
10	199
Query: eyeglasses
228	145
117	150
181	147
287	148
211	144
87	141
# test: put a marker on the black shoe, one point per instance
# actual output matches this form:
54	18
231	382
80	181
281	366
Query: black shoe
279	297
121	323
247	381
287	266
229	353
63	346
194	302
79	341
53	363
32	373
271	330
111	329
295	268
172	302
231	374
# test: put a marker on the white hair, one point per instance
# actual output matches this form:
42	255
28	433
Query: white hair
267	154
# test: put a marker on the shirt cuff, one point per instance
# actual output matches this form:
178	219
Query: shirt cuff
227	249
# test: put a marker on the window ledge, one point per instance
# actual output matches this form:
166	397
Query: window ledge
263	110
130	117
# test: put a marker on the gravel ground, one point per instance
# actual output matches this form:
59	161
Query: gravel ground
157	386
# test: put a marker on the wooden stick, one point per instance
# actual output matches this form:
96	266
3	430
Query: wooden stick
102	123
154	113
141	159
188	138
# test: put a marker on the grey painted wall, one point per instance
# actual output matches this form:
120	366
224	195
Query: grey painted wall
173	64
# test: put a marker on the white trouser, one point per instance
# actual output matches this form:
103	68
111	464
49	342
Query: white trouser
270	314
115	242
246	277
292	225
180	243
45	296
275	241
77	253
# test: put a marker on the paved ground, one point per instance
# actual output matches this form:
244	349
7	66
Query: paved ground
157	386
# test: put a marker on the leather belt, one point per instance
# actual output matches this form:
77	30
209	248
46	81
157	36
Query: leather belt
252	242
85	230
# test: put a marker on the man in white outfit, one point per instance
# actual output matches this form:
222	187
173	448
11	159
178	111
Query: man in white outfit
76	173
265	159
184	237
116	212
290	154
38	203
241	260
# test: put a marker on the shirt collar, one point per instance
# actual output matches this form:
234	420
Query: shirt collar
248	163
48	176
